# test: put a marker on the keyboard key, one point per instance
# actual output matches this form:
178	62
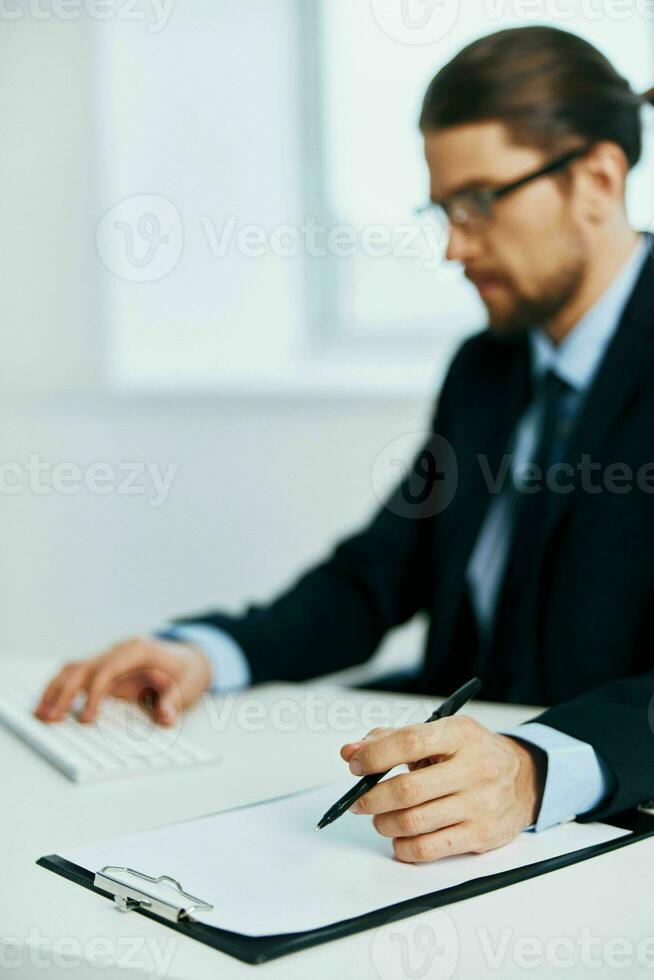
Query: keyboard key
124	741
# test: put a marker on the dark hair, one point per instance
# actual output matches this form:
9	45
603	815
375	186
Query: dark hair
545	84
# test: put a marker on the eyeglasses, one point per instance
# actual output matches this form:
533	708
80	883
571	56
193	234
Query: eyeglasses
474	209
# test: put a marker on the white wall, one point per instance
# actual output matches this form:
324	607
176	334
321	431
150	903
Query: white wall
263	487
264	484
48	177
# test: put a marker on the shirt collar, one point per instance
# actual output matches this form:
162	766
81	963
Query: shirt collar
576	358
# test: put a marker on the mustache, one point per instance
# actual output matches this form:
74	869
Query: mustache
476	276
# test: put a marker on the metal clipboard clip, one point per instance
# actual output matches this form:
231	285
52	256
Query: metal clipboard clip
129	897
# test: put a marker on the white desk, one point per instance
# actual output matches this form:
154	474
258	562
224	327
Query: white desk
41	812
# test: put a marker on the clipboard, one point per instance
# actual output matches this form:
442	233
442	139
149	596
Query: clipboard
179	914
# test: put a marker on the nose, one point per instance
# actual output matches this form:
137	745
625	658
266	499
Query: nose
462	245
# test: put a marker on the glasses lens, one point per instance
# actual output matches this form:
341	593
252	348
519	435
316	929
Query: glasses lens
469	211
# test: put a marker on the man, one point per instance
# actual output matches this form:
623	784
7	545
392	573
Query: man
540	582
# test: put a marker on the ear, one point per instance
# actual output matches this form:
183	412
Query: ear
600	179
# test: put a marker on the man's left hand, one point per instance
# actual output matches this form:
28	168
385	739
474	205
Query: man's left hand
468	789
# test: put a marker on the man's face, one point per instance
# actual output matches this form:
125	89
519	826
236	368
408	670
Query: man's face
530	259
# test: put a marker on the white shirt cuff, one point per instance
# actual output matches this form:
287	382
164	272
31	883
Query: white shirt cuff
577	780
230	670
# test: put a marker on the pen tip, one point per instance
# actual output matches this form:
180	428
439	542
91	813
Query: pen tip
317	827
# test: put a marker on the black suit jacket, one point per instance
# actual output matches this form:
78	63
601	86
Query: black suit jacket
591	657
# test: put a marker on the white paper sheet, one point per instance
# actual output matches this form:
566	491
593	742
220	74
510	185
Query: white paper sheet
266	870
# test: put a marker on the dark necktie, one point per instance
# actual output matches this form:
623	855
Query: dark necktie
515	669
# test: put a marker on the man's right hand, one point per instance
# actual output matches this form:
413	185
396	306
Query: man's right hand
163	675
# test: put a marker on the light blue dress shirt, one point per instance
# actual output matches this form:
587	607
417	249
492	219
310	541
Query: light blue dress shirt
576	778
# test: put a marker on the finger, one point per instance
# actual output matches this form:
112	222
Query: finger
347	751
168	705
64	691
350	748
423	819
410	789
48	696
457	839
421	763
108	670
159	692
411	743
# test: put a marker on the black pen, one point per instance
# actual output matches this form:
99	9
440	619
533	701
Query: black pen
448	707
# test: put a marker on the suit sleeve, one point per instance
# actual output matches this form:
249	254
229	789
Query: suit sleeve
617	719
335	615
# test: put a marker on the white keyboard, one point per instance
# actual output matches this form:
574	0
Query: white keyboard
124	741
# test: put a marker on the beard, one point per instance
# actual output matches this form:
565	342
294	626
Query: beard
525	312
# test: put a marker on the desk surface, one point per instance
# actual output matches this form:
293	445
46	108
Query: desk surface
273	739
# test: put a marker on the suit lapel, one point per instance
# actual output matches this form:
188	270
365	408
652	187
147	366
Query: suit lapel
500	408
621	373
500	397
501	394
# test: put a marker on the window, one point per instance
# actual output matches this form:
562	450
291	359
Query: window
375	71
233	141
